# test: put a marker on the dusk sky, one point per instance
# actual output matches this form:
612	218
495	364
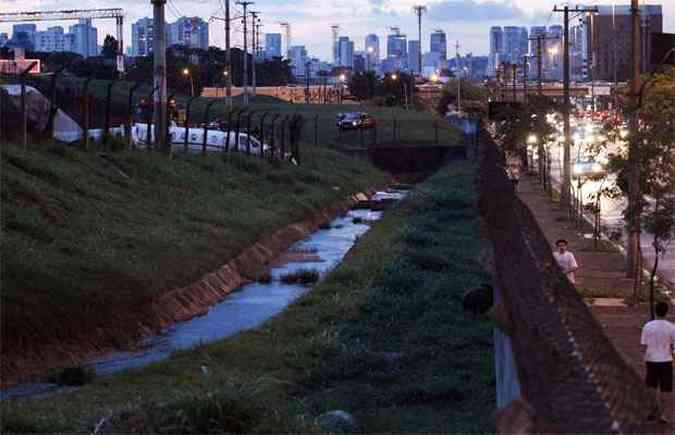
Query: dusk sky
465	20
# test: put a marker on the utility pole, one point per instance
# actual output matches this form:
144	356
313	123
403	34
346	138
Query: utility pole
565	187
419	11
159	73
525	66
634	194
459	79
228	56
244	18
514	68
254	48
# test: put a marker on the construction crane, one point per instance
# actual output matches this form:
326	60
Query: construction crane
335	30
74	14
287	27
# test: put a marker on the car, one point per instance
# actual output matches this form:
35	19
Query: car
355	120
588	166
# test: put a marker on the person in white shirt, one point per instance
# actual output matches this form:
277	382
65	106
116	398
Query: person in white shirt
658	337
565	259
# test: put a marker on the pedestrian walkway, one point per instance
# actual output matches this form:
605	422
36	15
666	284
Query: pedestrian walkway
600	278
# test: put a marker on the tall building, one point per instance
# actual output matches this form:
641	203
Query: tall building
496	50
413	56
142	37
439	44
52	39
536	31
397	51
85	38
298	57
272	45
346	52
372	50
28	29
609	40
553	64
516	44
190	32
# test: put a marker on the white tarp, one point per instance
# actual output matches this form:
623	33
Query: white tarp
37	105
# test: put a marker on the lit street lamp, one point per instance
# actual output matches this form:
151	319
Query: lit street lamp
186	73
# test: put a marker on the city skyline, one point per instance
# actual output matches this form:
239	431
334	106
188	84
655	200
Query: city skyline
468	21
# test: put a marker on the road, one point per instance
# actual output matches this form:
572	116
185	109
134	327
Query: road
611	214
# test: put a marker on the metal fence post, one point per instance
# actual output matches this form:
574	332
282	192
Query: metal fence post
435	123
238	129
393	130
229	129
274	133
149	119
262	134
108	101
316	130
206	123
168	126
187	123
248	132
3	118
284	123
52	99
86	112
130	116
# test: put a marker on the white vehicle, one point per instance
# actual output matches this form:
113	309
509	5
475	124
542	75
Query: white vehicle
216	140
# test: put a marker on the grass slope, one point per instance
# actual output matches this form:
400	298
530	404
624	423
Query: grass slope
383	337
87	239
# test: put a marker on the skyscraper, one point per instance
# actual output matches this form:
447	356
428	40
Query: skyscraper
28	29
372	50
346	51
141	37
439	44
496	50
272	45
298	57
536	31
553	64
413	56
397	50
85	38
189	32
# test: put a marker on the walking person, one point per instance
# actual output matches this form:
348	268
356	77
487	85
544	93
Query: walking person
565	259
658	339
513	168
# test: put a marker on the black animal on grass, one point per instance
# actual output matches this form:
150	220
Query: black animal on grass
478	300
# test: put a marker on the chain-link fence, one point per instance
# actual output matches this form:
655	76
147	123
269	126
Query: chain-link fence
114	114
569	371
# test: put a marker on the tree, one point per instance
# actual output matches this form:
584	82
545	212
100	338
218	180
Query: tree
655	162
474	97
109	50
363	86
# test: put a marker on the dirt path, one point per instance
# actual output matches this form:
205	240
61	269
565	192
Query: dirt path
601	274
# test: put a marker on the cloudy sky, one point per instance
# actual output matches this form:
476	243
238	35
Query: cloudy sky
466	21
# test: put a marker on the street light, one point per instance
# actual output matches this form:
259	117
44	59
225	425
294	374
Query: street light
343	79
186	73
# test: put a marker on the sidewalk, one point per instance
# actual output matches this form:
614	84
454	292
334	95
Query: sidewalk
600	278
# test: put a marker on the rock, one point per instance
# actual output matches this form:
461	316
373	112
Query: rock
479	300
337	421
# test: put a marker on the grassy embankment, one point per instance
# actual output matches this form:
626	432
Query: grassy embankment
86	242
413	127
382	337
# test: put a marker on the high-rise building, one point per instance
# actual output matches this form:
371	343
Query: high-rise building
439	44
536	31
516	44
346	52
609	40
298	57
496	50
52	39
142	37
190	32
85	38
28	29
397	51
272	45
372	50
553	64
413	56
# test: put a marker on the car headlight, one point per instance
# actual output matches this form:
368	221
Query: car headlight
355	123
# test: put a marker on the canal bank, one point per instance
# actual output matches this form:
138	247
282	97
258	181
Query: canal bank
431	371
